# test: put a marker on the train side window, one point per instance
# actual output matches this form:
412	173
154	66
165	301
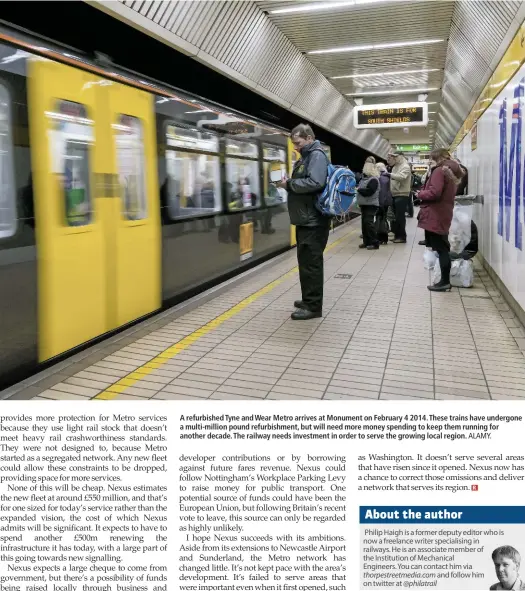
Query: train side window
8	217
192	184
71	137
274	167
129	142
242	175
241	148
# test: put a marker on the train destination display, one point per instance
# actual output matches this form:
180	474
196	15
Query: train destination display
391	115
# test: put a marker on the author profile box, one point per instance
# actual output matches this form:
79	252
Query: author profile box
444	547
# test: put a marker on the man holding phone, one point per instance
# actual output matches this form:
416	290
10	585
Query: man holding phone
312	228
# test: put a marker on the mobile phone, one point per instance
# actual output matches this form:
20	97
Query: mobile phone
276	176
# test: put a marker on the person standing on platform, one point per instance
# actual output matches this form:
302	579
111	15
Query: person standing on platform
437	206
312	228
400	182
390	214
385	201
368	201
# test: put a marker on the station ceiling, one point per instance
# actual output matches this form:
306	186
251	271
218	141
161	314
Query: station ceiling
394	51
445	49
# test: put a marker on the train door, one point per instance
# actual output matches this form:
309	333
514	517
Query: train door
94	186
134	223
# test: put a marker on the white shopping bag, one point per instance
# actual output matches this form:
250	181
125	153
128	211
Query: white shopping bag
461	274
430	259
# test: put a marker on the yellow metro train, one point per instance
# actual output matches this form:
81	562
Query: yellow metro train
119	196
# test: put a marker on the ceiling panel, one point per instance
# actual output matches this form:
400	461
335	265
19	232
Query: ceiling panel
485	23
372	83
381	22
404	58
477	33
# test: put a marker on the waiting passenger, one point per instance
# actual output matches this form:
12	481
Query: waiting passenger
437	206
312	228
507	562
400	181
385	201
368	201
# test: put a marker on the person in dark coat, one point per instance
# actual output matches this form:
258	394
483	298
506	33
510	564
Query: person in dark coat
385	201
308	180
368	201
437	206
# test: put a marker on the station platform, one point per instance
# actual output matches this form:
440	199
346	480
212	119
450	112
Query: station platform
383	336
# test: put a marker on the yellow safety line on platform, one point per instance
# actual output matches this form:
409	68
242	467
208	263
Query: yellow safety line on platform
157	362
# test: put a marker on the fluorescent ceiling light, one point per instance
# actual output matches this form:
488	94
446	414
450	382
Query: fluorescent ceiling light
199	111
387	92
377	46
322	6
385	73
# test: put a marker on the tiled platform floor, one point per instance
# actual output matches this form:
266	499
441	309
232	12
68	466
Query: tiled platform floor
384	336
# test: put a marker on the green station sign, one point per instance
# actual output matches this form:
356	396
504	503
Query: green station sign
413	148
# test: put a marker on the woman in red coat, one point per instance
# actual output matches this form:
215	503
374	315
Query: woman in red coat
437	205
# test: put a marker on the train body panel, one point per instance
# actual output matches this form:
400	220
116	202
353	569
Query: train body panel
135	220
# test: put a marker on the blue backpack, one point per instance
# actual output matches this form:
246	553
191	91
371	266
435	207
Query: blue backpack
339	192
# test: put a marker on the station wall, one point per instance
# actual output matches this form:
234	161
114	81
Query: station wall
492	152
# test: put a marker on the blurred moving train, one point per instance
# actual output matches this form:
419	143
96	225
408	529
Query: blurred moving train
119	196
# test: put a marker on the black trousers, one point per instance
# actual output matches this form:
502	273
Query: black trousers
368	224
400	209
311	243
440	244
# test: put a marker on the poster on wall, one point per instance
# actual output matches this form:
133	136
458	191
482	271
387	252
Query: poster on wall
474	138
246	240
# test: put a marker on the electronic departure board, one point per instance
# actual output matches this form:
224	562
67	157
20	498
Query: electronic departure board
391	115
